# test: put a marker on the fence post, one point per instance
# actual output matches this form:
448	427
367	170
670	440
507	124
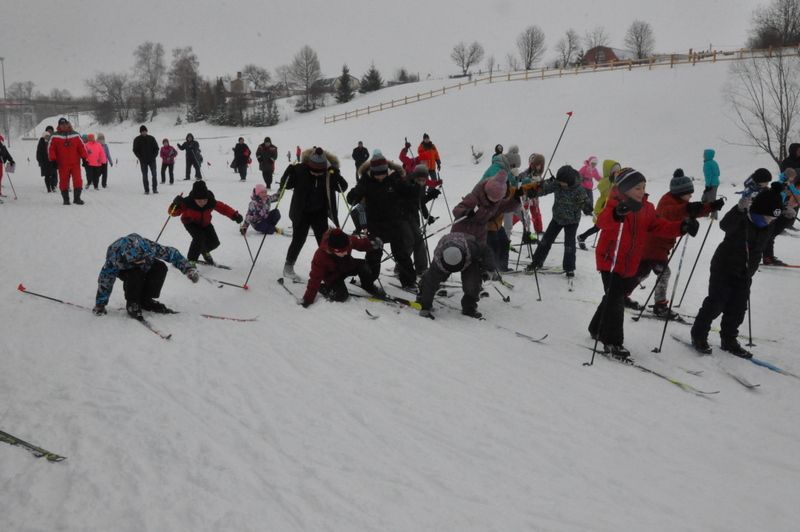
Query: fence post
443	88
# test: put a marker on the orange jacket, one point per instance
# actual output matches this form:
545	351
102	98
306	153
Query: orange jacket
429	155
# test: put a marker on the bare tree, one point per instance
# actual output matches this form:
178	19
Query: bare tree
765	95
60	95
149	71
567	48
258	77
490	64
114	89
776	25
283	77
184	73
305	71
530	44
639	39
513	62
466	56
21	90
596	37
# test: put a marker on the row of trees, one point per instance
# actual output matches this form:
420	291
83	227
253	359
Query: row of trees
531	47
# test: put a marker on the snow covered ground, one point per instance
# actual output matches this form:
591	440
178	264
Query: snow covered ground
322	419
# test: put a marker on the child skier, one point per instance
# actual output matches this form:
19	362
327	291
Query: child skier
259	214
167	154
533	173
195	212
589	175
747	229
624	223
610	171
711	175
333	263
96	158
570	201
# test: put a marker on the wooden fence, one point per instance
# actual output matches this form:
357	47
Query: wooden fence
546	73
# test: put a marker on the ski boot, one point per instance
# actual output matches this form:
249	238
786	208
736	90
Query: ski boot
582	243
633	305
426	313
208	258
773	261
472	313
701	345
288	272
65	196
376	291
155	306
618	352
134	310
732	346
662	310
77	196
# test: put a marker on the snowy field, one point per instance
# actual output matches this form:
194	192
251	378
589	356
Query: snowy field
322	419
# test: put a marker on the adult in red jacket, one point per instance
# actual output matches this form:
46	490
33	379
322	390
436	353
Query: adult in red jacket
429	156
195	212
673	206
66	149
625	223
333	263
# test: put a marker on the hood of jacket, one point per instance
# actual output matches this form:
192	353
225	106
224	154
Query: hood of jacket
589	160
708	154
333	160
608	164
393	167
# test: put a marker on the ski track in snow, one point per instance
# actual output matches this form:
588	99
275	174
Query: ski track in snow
322	419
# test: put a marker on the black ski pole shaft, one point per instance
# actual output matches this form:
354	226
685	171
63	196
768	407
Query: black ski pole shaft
691	273
749	324
672	297
550	160
246	243
346	204
601	321
658	279
505	298
24	290
446	227
254	262
444	195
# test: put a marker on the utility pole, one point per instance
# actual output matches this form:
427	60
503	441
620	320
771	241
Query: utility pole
5	101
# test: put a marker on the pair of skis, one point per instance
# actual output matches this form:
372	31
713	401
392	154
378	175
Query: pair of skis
37	451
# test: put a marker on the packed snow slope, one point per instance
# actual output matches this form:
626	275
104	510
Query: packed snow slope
323	419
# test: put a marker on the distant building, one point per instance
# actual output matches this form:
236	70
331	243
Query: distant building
331	85
239	85
604	54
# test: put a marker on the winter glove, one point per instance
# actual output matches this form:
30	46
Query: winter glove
99	310
238	218
691	226
377	243
694	208
177	202
485	276
620	211
587	210
434	193
430	220
408	145
243	229
744	203
518	193
192	274
472	213
718	204
439	165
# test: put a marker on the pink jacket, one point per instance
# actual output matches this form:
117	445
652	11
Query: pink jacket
96	155
168	154
588	173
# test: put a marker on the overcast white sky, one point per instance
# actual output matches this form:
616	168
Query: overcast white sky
61	43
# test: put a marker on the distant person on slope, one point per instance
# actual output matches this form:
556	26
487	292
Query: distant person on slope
266	155
96	158
138	262
101	138
145	148
589	175
195	212
711	175
241	158
167	154
5	157
360	156
429	155
67	150
193	157
46	166
792	160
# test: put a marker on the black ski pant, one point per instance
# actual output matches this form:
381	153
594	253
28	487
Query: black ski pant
392	234
50	177
415	243
93	176
204	240
435	276
780	225
193	164
267	176
661	269
168	167
104	174
151	165
337	290
727	295
316	221
589	232
242	169
609	318
498	243
140	286
550	234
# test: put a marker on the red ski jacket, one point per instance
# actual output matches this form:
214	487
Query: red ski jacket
328	268
66	148
191	213
673	209
636	227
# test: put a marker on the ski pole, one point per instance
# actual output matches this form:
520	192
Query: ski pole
601	322
658	279
506	299
672	297
444	195
691	273
346	204
447	226
246	243
169	217
24	290
244	286
10	182
550	160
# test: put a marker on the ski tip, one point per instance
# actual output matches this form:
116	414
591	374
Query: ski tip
21	287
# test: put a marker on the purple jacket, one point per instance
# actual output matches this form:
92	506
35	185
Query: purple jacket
168	154
487	211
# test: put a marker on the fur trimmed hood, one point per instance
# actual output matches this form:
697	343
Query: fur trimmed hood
393	167
333	160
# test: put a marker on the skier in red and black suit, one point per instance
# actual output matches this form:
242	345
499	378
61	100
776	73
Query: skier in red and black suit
67	150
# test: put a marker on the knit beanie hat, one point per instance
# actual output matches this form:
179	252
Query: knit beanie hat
767	203
317	161
199	190
680	185
512	158
420	170
628	178
338	240
142	128
452	259
568	175
678	172
260	190
378	163
496	187
536	158
762	175
62	120
425	136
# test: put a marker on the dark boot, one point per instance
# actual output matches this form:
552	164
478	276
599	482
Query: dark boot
77	197
732	346
701	345
65	195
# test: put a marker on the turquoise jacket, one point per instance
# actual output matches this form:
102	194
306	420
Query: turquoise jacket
498	164
710	168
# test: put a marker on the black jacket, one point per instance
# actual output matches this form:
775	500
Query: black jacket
739	253
360	155
384	200
45	164
313	194
192	148
5	157
145	148
793	159
266	156
241	154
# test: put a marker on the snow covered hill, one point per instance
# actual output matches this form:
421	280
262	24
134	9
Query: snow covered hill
323	419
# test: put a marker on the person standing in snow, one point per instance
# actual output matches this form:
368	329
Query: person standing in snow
193	157
195	212
411	207
589	175
624	223
5	157
101	138
241	158
266	155
139	263
533	174
333	263
167	154
570	201
747	228
315	183
297	154
145	148
711	175
610	171
67	150
46	166
429	155
259	213
95	159
497	237
360	156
